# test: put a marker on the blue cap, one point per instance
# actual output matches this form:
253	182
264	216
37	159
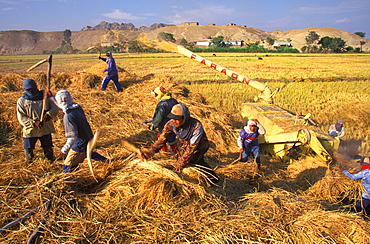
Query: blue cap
29	84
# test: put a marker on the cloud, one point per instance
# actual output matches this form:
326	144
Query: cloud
344	7
207	14
340	21
117	14
7	9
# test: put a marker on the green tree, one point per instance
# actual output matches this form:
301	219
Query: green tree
67	36
359	33
312	37
270	41
361	44
335	44
184	42
133	46
218	41
168	37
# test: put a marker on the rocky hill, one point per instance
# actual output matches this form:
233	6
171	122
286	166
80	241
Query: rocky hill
32	42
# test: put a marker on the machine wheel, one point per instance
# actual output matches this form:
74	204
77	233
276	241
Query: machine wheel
303	136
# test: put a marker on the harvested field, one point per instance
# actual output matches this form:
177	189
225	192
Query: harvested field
304	201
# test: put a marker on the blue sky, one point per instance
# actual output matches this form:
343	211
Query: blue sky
268	15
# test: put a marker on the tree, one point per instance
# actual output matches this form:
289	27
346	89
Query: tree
312	37
218	41
335	44
359	33
168	37
361	44
67	36
133	46
270	41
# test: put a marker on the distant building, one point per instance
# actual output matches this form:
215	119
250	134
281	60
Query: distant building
234	43
203	43
231	24
212	24
189	23
281	44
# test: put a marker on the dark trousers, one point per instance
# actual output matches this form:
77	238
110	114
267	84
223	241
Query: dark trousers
363	205
106	80
199	162
46	144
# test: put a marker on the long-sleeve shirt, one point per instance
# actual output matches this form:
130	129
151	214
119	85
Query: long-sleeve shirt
29	111
365	176
77	127
340	133
162	109
112	68
198	144
248	139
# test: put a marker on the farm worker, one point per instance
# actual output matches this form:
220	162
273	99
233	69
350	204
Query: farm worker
163	108
337	130
364	174
248	141
77	130
112	72
37	125
192	137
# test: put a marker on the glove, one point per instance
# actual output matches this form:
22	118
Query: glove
48	93
144	155
37	124
47	117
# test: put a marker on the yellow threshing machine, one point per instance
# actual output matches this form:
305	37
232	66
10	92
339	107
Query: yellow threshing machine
287	135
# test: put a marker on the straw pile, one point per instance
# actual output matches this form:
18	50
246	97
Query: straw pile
305	201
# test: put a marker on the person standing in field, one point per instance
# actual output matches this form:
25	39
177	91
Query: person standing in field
77	130
112	72
364	174
37	124
192	137
162	110
337	130
248	141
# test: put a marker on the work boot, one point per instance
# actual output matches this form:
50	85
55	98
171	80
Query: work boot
258	162
69	169
49	153
29	155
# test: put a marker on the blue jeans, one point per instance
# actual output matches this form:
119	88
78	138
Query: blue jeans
254	151
106	80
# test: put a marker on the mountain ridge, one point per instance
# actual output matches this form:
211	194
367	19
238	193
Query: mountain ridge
20	42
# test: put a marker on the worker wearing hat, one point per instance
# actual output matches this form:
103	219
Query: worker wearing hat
112	72
337	130
37	124
364	174
192	137
77	130
163	108
248	141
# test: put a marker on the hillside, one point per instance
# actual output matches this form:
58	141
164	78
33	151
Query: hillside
32	42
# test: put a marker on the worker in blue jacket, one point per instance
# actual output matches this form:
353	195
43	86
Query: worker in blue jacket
248	141
364	175
78	132
112	72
